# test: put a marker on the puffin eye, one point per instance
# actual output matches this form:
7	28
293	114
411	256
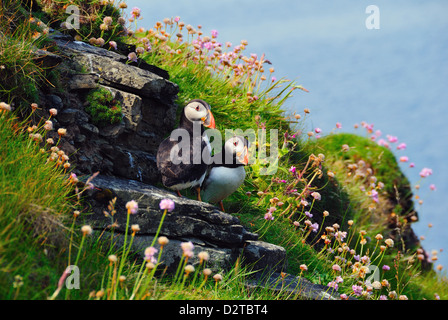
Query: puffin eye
235	143
197	108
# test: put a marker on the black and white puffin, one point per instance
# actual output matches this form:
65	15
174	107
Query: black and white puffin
189	172
227	175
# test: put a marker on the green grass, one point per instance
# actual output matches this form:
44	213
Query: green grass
33	202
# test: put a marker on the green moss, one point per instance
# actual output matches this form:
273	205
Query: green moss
103	107
382	160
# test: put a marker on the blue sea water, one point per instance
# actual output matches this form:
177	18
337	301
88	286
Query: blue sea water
395	77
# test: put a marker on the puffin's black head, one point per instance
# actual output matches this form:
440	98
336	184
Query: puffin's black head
237	148
198	110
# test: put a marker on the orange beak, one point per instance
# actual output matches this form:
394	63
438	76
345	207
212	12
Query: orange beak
209	122
243	157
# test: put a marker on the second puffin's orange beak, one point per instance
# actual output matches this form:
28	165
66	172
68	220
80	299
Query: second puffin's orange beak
209	121
243	157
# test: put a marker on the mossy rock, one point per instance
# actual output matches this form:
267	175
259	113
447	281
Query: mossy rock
103	107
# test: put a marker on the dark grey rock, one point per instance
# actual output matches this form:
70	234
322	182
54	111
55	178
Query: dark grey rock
293	287
83	81
211	230
68	116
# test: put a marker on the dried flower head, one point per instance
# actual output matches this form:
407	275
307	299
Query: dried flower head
86	230
203	256
62	132
189	269
163	241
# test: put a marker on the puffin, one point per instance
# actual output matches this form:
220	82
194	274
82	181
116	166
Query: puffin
226	173
179	173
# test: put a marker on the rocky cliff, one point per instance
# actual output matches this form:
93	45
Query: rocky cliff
124	154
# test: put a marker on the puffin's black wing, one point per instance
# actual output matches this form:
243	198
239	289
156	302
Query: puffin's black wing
180	173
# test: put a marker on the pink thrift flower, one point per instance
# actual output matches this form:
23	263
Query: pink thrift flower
167	204
383	143
374	195
113	44
338	125
425	172
268	216
392	139
316	195
135	12
404	159
149	254
214	33
412	165
317	130
187	248
401	146
132	56
433	187
132	206
336	267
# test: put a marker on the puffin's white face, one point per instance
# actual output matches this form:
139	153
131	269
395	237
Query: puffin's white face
236	145
195	111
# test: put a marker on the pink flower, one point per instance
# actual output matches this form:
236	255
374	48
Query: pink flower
338	125
378	133
316	195
214	33
392	139
336	267
268	216
135	12
132	206
401	146
412	165
176	19
404	159
433	187
333	284
149	254
187	248
132	56
167	204
317	130
374	195
357	290
383	143
113	44
48	125
292	170
425	172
